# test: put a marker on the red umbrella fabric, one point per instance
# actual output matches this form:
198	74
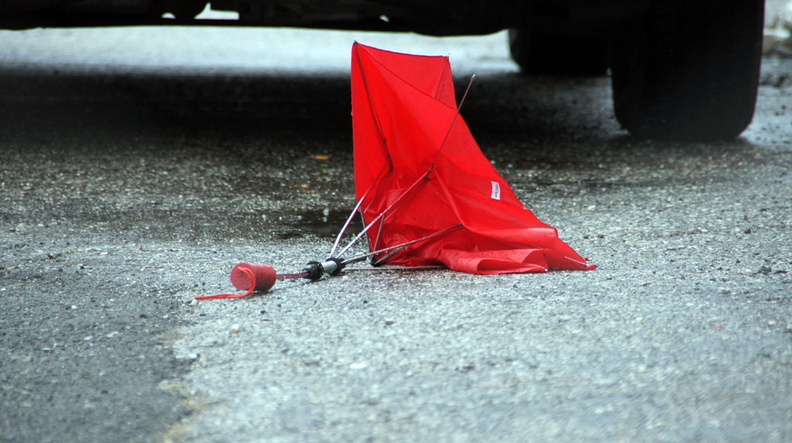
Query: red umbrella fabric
422	179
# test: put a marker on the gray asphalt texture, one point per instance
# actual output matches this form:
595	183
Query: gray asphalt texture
137	166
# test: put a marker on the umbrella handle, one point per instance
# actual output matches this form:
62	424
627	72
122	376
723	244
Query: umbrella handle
248	277
261	277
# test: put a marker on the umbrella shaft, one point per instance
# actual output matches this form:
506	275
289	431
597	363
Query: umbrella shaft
295	275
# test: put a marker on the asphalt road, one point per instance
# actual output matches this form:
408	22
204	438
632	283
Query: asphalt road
137	166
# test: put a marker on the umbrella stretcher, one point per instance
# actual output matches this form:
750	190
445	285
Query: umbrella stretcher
427	194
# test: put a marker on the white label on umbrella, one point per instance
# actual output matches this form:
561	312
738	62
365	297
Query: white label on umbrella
495	191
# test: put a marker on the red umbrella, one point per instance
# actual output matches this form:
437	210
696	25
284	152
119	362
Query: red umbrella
427	194
418	172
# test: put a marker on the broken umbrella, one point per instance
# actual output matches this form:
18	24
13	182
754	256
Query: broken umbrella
427	194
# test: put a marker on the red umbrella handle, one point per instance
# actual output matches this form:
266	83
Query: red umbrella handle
248	277
261	277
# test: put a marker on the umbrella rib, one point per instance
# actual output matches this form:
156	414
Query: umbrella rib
352	214
404	245
453	120
344	228
376	181
348	221
379	233
397	248
383	213
396	268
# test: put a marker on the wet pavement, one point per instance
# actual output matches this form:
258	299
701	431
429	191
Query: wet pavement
137	166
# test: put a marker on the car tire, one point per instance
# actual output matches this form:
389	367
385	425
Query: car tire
538	53
689	70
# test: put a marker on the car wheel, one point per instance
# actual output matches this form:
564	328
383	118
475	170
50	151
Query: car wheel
690	69
538	53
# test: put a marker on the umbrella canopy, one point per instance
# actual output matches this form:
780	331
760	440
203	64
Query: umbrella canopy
423	182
